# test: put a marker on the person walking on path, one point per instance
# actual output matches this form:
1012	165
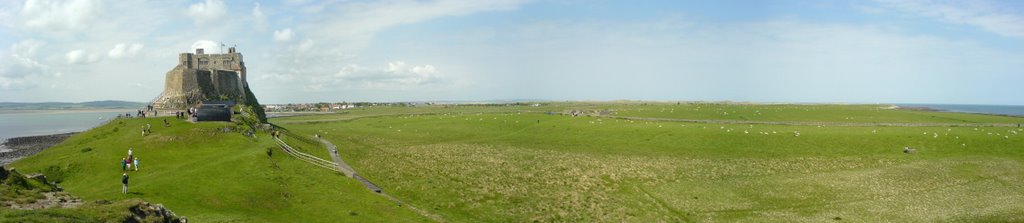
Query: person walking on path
124	165
135	162
124	183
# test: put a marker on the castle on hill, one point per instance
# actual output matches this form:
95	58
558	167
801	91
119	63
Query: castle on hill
200	77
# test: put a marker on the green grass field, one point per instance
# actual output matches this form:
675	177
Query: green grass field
802	113
472	164
525	163
208	175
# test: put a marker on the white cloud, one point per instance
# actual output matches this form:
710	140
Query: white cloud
284	35
26	48
355	24
973	13
277	77
92	26
304	46
206	12
75	56
259	19
396	75
79	56
337	30
58	16
122	50
24	62
777	60
137	85
208	46
19	66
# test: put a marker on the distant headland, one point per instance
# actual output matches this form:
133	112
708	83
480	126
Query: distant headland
91	105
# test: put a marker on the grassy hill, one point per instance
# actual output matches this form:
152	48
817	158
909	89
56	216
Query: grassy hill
486	163
208	174
514	164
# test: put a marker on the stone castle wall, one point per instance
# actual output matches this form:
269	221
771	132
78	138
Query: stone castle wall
228	61
203	77
186	87
227	84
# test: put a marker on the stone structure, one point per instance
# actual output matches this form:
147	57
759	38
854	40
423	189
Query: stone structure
202	77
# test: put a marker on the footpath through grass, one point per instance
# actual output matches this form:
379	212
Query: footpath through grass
210	175
520	164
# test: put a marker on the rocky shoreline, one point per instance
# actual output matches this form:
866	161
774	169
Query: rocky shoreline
21	147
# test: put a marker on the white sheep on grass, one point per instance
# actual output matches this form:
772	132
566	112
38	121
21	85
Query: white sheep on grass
909	150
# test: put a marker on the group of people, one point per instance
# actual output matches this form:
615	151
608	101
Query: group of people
140	113
189	113
126	165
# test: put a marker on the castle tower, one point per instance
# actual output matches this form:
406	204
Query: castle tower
230	61
200	76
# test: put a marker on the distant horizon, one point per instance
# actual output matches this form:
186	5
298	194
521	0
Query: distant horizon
496	101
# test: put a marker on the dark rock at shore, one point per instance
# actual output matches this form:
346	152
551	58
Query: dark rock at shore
21	147
3	172
146	212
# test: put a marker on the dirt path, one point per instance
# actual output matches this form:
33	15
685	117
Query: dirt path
344	167
340	166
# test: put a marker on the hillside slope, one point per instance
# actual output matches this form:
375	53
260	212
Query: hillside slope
209	175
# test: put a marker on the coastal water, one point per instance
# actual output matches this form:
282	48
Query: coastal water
16	123
1015	110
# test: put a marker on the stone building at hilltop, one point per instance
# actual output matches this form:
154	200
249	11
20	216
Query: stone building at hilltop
202	77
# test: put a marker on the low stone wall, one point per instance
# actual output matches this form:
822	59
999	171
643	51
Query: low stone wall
21	147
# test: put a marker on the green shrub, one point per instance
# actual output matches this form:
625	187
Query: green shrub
55	174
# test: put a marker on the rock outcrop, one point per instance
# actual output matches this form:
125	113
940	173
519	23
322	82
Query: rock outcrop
202	77
146	212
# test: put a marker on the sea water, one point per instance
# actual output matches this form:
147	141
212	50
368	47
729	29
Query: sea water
17	123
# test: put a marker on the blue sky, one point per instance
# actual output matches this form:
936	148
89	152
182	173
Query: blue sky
887	51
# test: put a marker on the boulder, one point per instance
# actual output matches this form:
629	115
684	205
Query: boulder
3	173
146	212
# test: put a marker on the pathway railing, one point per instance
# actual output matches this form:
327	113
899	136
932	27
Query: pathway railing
317	161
